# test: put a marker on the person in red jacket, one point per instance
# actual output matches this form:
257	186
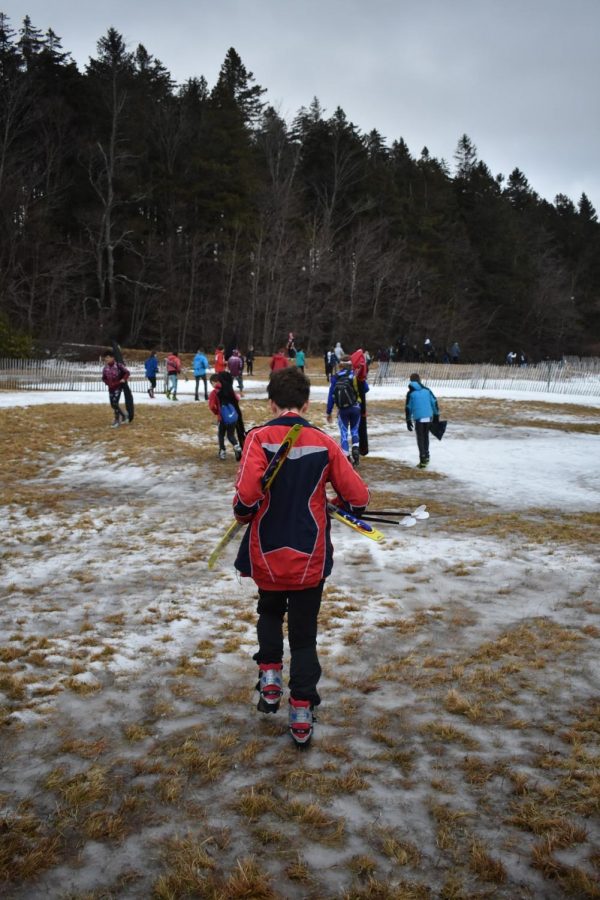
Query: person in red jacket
173	373
220	362
279	360
287	548
114	375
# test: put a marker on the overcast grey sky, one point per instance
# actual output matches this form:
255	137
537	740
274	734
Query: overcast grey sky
520	77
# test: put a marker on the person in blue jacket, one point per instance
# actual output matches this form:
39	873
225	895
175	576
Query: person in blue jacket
151	367
344	393
421	408
201	367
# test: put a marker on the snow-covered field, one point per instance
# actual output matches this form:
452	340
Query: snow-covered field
456	753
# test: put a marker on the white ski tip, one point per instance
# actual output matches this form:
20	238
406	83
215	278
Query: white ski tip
408	521
420	515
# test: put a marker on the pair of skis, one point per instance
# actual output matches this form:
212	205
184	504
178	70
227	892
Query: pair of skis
271	472
363	524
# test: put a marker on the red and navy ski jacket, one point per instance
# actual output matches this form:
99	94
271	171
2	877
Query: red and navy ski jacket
287	545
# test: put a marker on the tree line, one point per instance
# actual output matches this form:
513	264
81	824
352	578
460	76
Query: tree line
187	215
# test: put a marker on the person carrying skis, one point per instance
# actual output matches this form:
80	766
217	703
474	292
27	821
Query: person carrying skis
344	393
287	548
151	367
223	402
200	365
421	408
173	373
114	375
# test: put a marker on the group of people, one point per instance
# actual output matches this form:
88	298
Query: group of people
288	556
332	359
516	359
348	387
403	351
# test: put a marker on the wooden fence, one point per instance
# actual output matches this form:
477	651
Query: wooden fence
576	377
580	378
61	375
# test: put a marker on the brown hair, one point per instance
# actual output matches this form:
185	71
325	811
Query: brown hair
288	388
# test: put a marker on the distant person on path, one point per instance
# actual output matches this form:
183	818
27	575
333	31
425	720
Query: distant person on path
220	362
287	548
327	363
201	367
223	402
421	408
278	360
235	364
291	346
173	373
114	375
300	358
250	356
428	350
339	351
151	367
344	393
455	352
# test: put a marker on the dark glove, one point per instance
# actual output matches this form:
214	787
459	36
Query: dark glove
436	418
409	425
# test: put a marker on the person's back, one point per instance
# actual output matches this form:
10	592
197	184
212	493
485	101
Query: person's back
235	365
289	556
220	364
200	364
344	393
278	361
151	365
173	364
421	408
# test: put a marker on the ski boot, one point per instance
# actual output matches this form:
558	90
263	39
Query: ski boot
238	452
355	456
222	454
301	721
423	463
270	687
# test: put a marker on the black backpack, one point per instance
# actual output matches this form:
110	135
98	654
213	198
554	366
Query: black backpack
344	393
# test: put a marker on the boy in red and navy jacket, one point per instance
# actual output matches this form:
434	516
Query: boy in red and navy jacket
287	547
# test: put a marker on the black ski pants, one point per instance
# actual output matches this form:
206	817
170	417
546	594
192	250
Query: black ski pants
200	378
228	430
114	396
422	432
302	609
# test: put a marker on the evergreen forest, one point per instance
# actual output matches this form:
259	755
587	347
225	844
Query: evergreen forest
180	216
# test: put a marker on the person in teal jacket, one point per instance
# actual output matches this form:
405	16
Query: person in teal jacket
201	367
421	408
300	358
